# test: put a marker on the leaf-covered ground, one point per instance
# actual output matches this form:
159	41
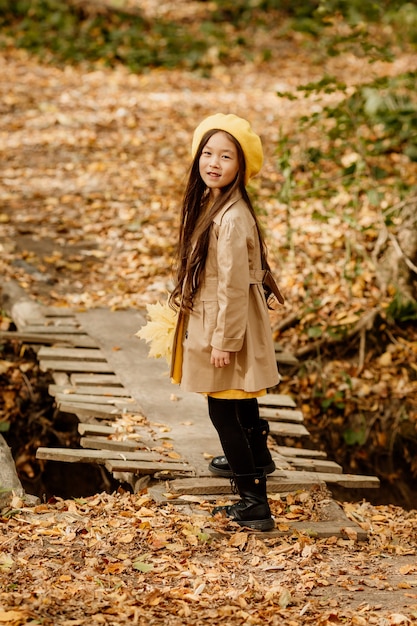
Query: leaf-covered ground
93	166
121	559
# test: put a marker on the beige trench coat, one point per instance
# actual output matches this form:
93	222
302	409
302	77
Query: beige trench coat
230	312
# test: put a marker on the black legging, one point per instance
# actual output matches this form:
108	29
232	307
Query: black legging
230	418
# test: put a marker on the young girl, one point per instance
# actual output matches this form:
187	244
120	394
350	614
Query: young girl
223	343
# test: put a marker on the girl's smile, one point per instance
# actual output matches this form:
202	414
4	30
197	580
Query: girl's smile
219	163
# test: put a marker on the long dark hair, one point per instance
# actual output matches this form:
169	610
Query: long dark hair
196	221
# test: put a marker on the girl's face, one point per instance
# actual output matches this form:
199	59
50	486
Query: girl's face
219	163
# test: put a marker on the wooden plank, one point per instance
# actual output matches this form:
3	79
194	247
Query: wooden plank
101	443
277	482
352	481
281	463
95	379
202	486
57	311
75	341
47	353
282	429
90	410
324	530
286	358
79	341
315	465
284	415
283	356
48	328
70	455
96	429
83	455
75	398
276	400
106	392
301	452
75	366
91	429
60	378
143	467
61	320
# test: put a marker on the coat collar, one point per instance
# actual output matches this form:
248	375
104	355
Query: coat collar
235	198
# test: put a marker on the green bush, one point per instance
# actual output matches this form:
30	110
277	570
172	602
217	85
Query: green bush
63	31
377	119
71	33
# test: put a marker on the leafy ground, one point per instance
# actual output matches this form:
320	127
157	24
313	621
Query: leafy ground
93	162
120	559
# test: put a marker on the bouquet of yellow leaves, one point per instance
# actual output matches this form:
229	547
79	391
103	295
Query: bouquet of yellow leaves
159	330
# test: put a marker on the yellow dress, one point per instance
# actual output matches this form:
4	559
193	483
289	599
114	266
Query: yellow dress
227	394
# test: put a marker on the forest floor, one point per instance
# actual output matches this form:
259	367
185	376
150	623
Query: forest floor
93	164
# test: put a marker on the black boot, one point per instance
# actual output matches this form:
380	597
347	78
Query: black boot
257	438
252	510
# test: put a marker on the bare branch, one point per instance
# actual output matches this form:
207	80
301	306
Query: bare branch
400	253
365	323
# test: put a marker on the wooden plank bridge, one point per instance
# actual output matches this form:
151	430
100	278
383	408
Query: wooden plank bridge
127	424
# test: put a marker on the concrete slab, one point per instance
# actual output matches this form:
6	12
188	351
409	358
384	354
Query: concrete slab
147	380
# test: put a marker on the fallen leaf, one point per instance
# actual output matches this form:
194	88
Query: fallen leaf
174	455
398	618
385	360
143	567
13	616
126	538
239	540
6	561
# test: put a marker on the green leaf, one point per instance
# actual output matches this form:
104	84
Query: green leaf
374	197
320	217
353	437
351	169
378	172
401	310
286	94
315	332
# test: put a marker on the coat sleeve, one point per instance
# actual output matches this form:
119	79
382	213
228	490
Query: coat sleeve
233	284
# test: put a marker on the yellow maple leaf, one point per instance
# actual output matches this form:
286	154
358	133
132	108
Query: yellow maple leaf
158	332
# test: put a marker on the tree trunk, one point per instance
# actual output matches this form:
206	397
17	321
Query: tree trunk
397	265
9	481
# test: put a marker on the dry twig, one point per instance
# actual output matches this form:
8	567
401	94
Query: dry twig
364	324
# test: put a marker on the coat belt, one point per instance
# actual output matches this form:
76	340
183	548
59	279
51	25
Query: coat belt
256	276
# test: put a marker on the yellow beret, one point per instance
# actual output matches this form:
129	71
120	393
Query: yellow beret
241	130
